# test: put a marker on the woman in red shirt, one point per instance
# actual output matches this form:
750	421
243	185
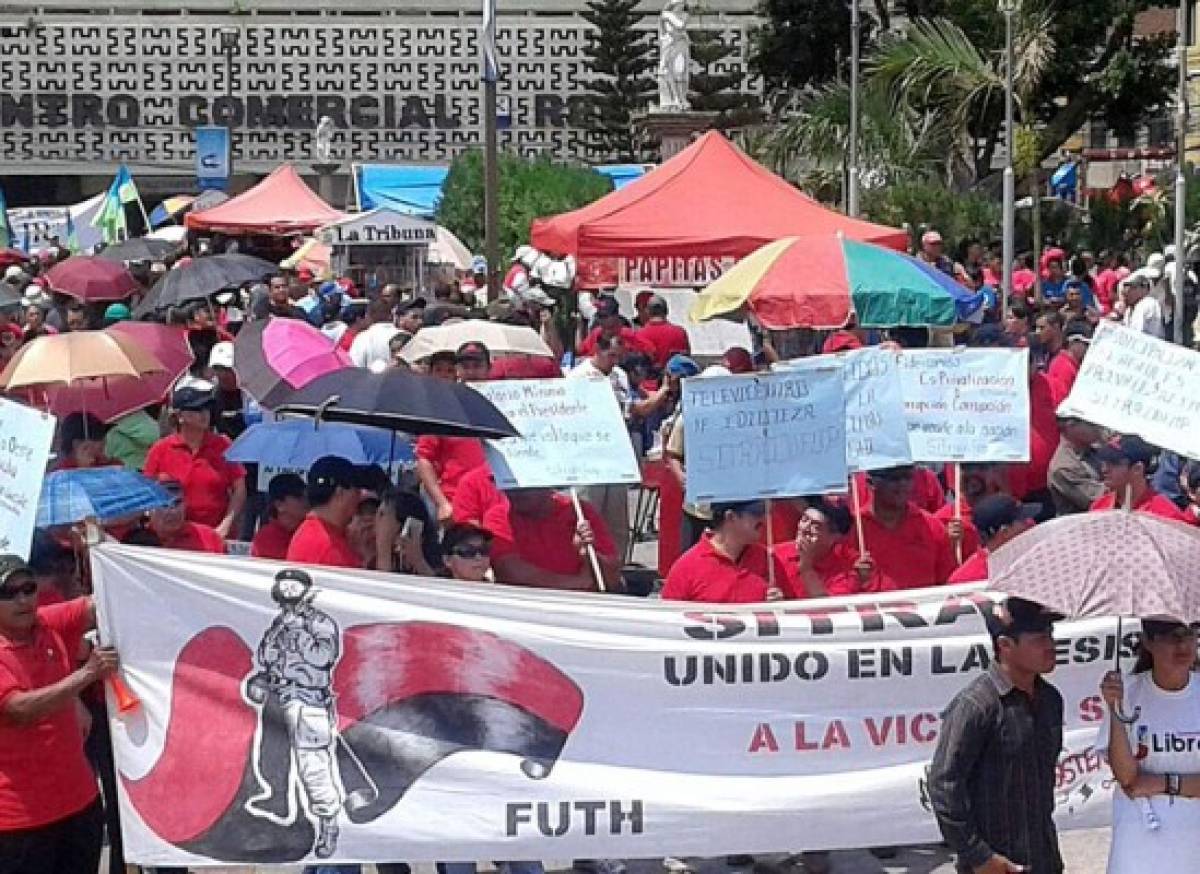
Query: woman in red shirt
214	490
286	509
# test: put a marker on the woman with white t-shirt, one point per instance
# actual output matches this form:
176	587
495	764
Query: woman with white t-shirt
1156	760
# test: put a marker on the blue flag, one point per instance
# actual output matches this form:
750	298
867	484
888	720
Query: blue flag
7	238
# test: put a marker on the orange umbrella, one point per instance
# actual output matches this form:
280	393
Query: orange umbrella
65	358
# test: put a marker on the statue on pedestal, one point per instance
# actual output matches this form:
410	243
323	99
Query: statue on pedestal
674	58
323	141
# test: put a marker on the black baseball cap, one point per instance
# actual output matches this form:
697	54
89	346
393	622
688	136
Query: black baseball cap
607	307
1077	330
1016	616
417	303
995	512
192	397
12	565
1127	449
331	471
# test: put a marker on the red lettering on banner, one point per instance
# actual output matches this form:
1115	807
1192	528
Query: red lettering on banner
1091	709
924	735
878	732
764	737
834	736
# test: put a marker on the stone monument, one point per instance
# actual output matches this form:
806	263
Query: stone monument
324	163
672	123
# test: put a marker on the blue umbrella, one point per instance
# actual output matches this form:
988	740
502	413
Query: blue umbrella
296	443
106	493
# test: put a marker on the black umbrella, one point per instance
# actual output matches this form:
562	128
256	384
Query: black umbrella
399	400
139	249
204	276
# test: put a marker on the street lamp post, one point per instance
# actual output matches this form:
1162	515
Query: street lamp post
230	39
1009	8
852	158
1181	124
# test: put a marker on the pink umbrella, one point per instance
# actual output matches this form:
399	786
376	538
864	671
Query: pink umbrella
274	358
91	279
110	398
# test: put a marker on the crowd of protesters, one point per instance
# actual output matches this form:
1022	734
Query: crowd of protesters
894	529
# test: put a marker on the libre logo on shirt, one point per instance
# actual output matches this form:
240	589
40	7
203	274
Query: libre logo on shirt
323	726
1171	742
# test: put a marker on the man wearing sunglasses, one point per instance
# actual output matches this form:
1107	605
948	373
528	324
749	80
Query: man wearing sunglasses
50	814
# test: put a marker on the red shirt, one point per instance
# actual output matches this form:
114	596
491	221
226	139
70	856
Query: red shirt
205	475
197	538
44	775
927	491
665	340
452	459
1061	373
68	462
629	338
546	542
476	494
1024	479
318	542
706	574
1151	502
271	541
832	568
973	569
915	554
525	367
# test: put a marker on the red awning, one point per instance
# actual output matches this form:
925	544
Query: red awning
710	199
280	204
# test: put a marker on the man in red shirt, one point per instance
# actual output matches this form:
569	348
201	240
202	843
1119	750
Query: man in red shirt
820	561
540	542
50	815
169	528
1124	464
214	490
286	509
999	519
1064	367
610	324
335	487
663	338
908	546
729	565
476	495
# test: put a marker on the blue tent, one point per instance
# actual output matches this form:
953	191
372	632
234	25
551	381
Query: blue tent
622	174
414	189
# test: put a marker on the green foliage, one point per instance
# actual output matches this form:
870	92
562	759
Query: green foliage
715	91
619	56
803	42
919	206
529	189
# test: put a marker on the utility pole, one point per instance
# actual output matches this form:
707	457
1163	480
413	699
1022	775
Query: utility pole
491	174
230	38
1181	126
1009	8
852	169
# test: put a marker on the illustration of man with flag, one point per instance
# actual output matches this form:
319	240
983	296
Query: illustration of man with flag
296	658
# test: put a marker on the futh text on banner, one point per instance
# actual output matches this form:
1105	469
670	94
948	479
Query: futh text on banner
25	438
1137	384
430	720
766	435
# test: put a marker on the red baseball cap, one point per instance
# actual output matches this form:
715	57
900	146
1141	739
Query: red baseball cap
840	341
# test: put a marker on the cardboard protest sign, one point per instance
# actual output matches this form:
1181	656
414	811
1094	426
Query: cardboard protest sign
876	432
25	438
710	339
766	435
1136	384
966	404
572	434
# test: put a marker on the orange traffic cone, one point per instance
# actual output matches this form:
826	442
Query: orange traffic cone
127	702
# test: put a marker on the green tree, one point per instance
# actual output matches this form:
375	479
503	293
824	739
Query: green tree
714	90
619	56
803	43
919	206
529	189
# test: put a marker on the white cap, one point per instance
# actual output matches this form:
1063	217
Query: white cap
221	355
1154	266
1169	252
522	253
14	272
716	370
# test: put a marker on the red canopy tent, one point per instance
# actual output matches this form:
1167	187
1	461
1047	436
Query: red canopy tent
280	204
709	200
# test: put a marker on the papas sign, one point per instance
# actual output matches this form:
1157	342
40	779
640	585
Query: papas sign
694	272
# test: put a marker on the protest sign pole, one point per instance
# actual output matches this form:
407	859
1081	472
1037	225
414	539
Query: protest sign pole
591	549
770	553
958	508
858	525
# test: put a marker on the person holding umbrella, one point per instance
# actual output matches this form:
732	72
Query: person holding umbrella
1163	698
214	490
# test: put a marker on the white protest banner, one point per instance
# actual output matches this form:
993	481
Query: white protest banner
710	339
876	432
1137	384
25	438
572	434
432	719
966	404
767	434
